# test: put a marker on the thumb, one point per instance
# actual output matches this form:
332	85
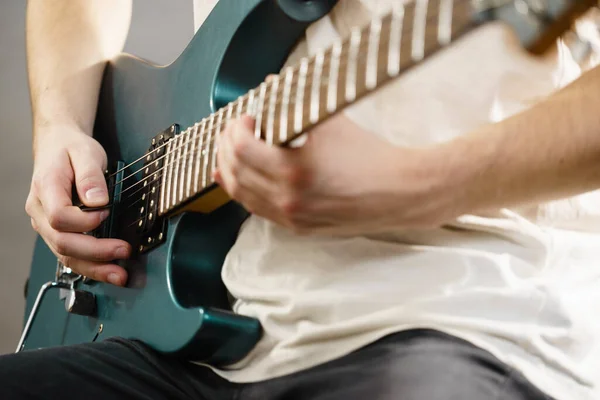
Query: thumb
90	182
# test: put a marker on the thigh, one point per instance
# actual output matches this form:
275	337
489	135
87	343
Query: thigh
110	369
411	365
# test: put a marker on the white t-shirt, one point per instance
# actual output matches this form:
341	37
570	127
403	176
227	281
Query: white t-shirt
523	284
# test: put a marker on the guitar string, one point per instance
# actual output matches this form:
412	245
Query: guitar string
126	207
181	158
187	131
242	99
430	15
213	132
206	147
218	126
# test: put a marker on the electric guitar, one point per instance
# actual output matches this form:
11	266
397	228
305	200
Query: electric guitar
158	126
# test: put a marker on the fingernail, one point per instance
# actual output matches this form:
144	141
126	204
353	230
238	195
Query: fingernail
121	253
95	194
104	214
114	279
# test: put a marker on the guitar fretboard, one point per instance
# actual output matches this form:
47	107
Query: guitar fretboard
304	95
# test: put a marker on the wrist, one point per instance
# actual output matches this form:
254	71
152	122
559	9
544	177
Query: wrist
55	131
60	106
440	179
52	120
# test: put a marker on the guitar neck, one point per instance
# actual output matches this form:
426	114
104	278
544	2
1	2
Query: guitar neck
304	95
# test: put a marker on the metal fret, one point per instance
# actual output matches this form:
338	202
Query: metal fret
395	41
271	114
214	143
219	121
259	111
164	187
229	112
193	161
445	22
186	142
316	87
285	103
352	64
419	25
300	95
373	54
240	106
250	105
334	67
177	162
199	156
206	152
169	165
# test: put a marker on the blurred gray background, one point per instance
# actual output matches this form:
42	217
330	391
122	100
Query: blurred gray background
160	30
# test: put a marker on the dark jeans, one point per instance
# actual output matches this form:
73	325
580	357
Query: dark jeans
411	365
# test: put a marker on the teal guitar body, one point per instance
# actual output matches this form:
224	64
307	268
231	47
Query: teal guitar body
174	300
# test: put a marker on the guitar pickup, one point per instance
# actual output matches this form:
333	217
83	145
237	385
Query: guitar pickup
150	226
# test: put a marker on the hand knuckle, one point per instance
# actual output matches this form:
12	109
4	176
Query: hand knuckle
29	206
55	220
234	167
239	148
36	181
46	180
294	176
235	189
290	206
86	147
40	182
92	148
61	244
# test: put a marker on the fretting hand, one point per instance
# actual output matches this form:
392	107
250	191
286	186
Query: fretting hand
343	180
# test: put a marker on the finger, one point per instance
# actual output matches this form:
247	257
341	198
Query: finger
235	174
254	153
54	192
223	175
88	167
260	205
77	245
100	272
254	202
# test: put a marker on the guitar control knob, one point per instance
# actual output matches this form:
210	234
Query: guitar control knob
80	302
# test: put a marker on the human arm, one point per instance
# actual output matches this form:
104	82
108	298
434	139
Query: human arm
68	45
548	152
345	180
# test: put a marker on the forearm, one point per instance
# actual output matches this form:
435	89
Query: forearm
548	152
68	44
